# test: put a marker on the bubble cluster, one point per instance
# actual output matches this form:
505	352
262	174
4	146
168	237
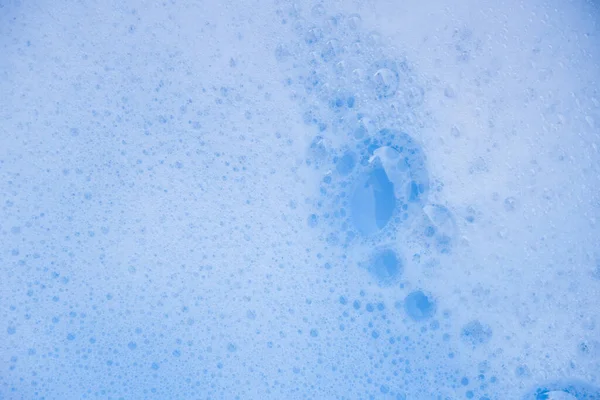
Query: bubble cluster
376	199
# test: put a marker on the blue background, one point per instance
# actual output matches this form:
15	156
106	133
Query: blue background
278	200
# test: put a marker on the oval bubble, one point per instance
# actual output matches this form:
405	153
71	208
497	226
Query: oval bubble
373	202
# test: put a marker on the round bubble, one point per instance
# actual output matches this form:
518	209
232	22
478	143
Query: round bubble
419	306
386	267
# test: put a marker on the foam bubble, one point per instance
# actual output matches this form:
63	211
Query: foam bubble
386	267
419	306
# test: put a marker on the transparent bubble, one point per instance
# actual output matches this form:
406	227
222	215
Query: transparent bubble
373	202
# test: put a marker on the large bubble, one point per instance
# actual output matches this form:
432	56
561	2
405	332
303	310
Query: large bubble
373	202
